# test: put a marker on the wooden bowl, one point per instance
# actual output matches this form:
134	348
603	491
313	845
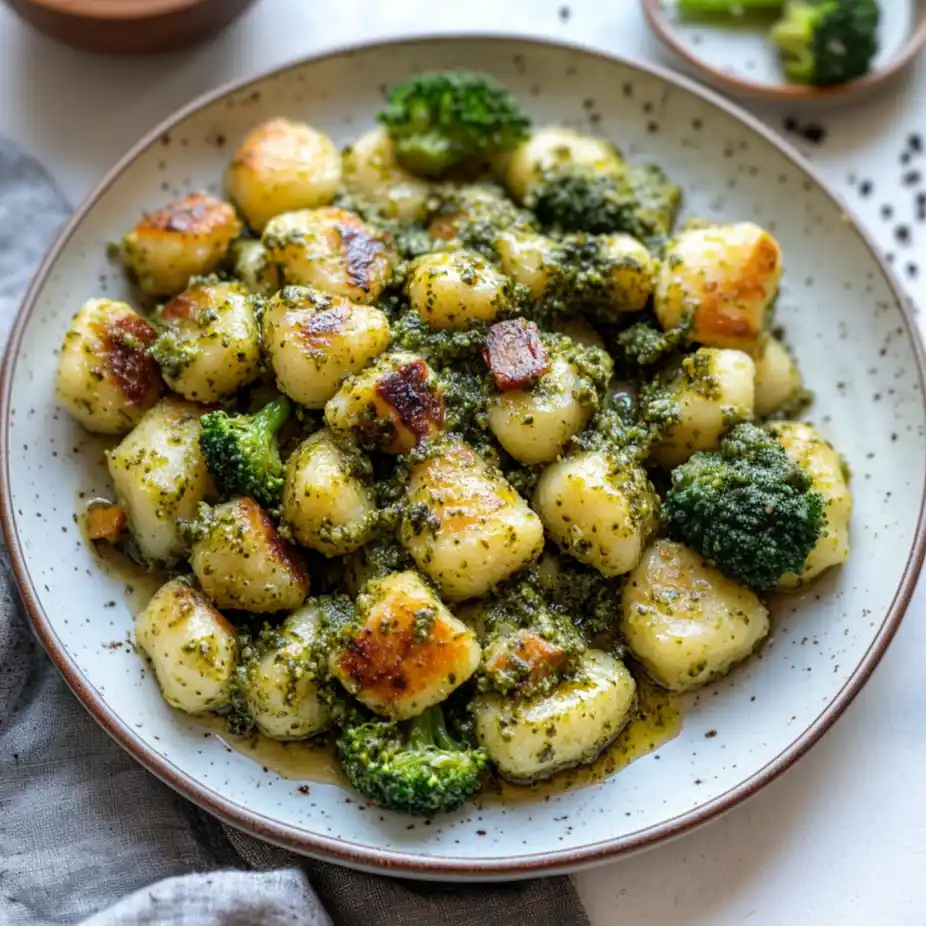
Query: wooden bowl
129	26
740	60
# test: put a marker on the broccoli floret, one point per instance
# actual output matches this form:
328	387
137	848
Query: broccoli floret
416	767
241	451
438	120
640	201
824	42
747	508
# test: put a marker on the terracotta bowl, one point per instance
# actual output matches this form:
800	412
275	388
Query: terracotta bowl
129	27
740	60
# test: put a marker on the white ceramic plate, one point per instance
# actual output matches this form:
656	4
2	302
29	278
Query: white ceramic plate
854	343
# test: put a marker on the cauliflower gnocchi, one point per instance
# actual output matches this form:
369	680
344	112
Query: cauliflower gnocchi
332	250
434	401
282	166
312	340
209	346
106	378
685	621
189	237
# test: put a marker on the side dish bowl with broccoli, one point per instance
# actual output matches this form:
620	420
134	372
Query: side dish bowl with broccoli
449	447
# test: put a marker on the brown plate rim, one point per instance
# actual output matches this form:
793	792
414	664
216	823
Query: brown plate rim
664	31
368	857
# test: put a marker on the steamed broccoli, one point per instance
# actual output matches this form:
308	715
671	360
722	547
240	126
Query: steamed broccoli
729	9
439	120
241	451
640	201
747	508
825	42
415	767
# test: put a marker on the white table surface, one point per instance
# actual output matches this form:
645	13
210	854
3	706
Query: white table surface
840	838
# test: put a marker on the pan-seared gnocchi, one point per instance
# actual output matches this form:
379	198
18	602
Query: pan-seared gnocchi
106	378
685	621
192	647
328	504
719	280
312	340
160	478
332	250
464	384
465	526
282	166
408	651
280	676
209	345
710	391
241	562
457	289
186	238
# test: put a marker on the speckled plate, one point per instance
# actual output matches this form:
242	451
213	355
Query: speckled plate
741	60
855	344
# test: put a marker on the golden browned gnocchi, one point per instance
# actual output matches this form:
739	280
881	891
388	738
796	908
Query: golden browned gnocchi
408	651
106	379
192	647
327	505
711	391
440	368
456	289
466	527
241	562
806	447
555	147
532	739
394	404
719	280
160	478
209	346
282	166
312	340
596	510
332	250
685	621
188	237
372	174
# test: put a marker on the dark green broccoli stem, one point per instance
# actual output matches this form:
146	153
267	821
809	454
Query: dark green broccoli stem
828	41
732	9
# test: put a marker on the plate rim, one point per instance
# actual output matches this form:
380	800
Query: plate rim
360	855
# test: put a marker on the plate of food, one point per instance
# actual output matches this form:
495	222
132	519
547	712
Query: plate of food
798	50
466	458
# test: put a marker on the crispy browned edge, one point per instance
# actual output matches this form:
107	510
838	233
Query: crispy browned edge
667	34
370	857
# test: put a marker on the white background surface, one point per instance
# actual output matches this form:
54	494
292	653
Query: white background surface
839	839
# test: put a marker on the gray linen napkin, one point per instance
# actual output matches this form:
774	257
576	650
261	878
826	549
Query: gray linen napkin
86	833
